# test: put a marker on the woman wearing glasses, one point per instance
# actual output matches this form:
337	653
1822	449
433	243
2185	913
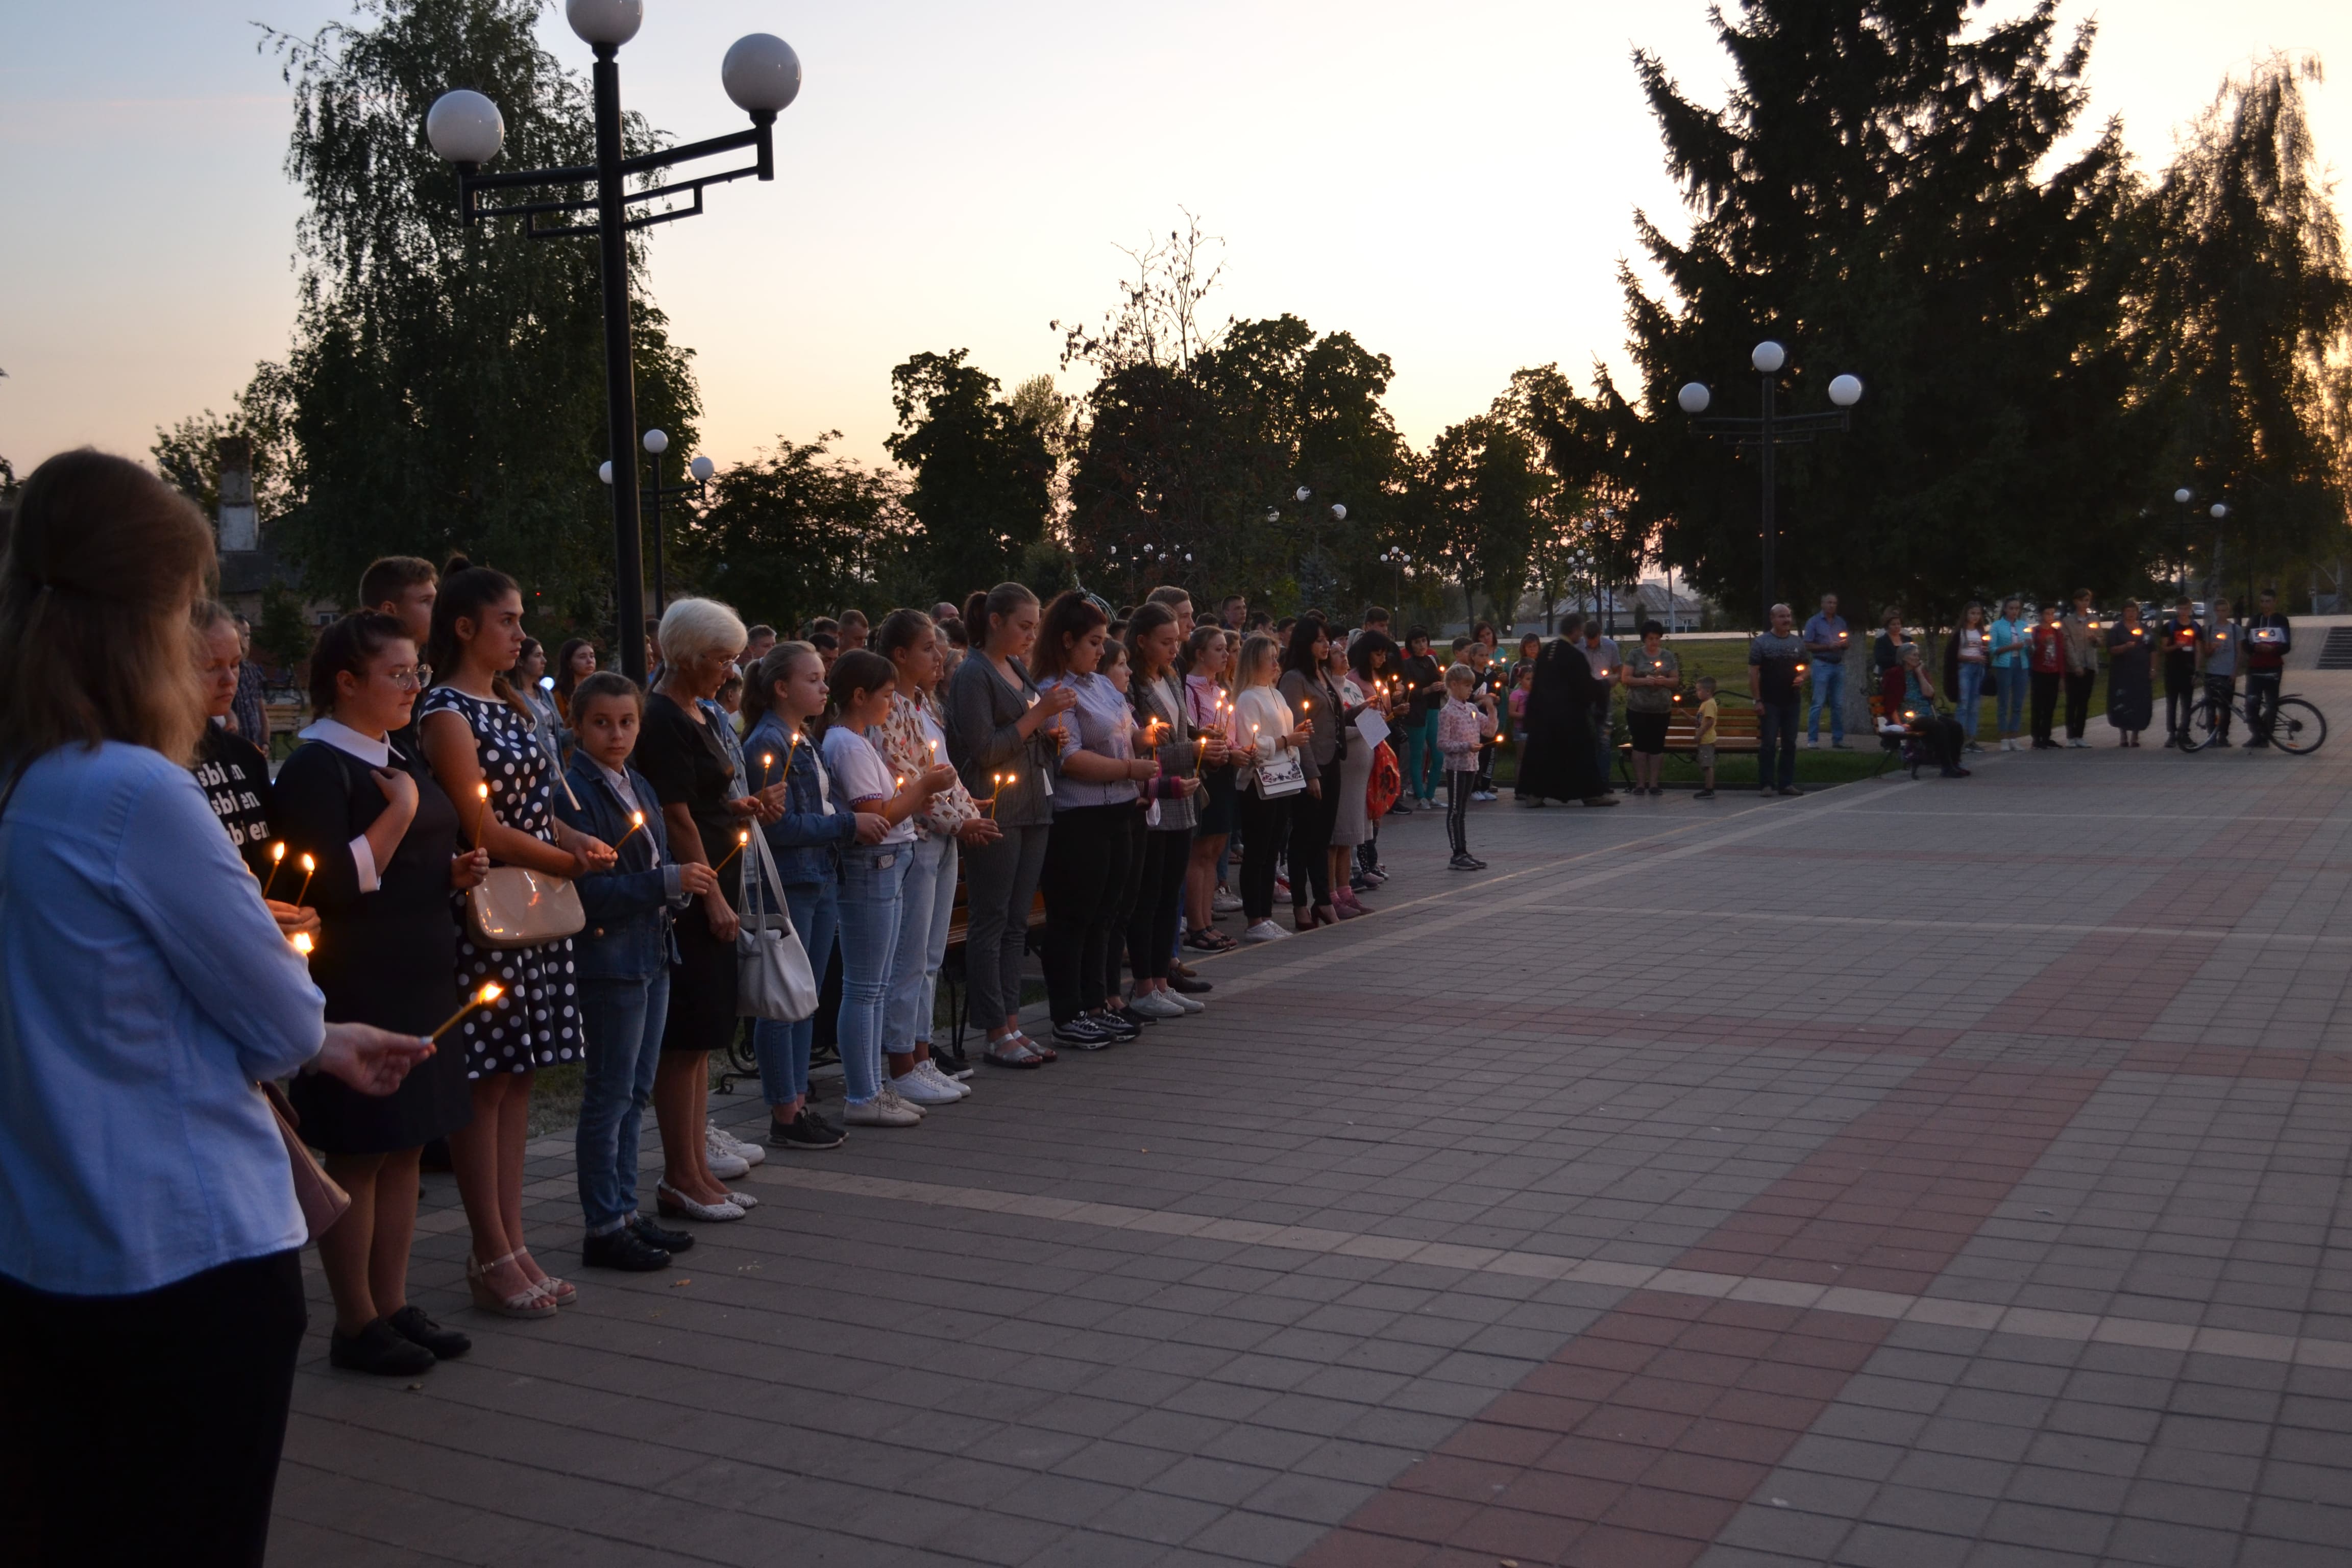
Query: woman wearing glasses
385	840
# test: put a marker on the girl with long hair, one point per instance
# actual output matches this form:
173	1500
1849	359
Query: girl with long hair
1265	726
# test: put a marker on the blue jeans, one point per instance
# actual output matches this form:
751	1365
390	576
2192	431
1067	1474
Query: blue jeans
915	976
872	910
1829	688
623	1020
1776	730
782	1048
2013	680
1970	712
1423	765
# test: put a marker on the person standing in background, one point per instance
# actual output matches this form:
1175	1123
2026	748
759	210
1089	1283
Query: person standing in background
2224	651
249	713
1425	689
1773	659
2047	642
1653	674
2184	640
2081	665
1827	637
1968	658
2131	656
2011	679
2269	639
1601	653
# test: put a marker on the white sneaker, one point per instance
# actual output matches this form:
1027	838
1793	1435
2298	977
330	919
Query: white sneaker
885	1110
1190	1003
1264	931
719	1140
1224	901
1155	1005
918	1091
929	1071
725	1164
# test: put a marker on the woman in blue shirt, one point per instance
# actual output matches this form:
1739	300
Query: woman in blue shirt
150	1287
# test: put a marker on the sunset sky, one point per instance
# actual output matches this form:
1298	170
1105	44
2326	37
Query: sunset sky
1451	183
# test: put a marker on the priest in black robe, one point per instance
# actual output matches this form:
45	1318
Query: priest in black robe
1558	756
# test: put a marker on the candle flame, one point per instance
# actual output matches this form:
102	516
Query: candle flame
278	851
490	992
309	865
302	943
482	792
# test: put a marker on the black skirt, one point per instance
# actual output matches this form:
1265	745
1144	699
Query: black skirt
1212	808
702	988
1648	729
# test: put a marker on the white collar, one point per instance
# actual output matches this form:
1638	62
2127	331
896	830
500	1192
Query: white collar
374	753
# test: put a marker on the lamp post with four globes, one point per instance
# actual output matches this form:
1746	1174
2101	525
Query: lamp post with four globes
1769	431
761	75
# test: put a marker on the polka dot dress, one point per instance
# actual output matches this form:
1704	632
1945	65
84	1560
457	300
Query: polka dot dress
536	1022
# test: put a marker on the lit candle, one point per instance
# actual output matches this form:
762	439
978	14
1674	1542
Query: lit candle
276	858
742	837
302	943
482	810
490	992
636	820
310	868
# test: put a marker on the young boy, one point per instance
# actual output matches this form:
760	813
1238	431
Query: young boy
622	965
1708	715
1461	729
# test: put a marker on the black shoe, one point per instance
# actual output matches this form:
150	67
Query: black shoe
1121	1022
1462	863
803	1134
380	1349
411	1324
1791	789
1188	985
1400	809
952	1061
1704	795
1087	1032
653	1233
623	1249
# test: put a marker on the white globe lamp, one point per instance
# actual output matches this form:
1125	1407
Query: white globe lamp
1694	397
701	468
1845	391
761	73
464	127
1768	357
608	22
656	441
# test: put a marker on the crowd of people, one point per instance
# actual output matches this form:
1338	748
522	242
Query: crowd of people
477	863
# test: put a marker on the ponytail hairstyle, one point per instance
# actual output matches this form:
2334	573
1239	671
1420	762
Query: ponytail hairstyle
983	610
345	648
467	590
760	681
859	672
901	629
1070	616
1149	617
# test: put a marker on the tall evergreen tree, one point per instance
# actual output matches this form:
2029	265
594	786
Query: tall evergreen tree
445	388
2249	333
1873	194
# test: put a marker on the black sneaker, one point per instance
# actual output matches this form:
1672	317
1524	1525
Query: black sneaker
653	1233
379	1349
1704	795
1085	1032
950	1061
623	1249
1189	984
1121	1024
1462	863
803	1134
411	1324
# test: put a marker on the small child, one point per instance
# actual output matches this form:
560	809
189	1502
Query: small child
1461	729
1707	714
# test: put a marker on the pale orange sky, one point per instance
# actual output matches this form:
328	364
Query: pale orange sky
1453	184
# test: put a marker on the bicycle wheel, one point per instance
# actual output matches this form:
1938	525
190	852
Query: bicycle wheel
2298	727
2207	723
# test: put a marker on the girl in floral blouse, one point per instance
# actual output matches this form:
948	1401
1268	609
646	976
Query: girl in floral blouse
911	739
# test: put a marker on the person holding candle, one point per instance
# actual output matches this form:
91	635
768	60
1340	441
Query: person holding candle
1423	689
2269	639
1157	697
1461	723
1350	814
2183	640
622	961
1322	732
1558	759
911	740
2131	675
1652	672
2224	644
1001	735
1827	637
2010	677
388	846
1119	907
1967	656
234	774
474	733
1207	657
685	751
1772	660
873	918
150	1281
1371	668
783	695
1906	691
1602	653
1267	726
2046	645
2080	627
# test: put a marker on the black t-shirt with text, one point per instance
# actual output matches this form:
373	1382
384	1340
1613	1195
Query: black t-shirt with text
234	777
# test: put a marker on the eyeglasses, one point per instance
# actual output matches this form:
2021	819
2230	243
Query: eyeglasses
416	679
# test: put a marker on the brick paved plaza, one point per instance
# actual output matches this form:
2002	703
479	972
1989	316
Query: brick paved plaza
1915	1175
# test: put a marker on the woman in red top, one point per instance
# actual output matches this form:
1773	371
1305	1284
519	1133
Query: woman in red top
2046	660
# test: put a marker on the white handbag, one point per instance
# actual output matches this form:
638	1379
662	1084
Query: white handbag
1281	774
773	978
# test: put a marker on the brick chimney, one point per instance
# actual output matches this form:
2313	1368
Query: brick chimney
240	523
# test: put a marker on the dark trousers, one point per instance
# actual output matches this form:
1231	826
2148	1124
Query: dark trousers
178	1394
1485	774
1458	786
1124	901
2261	702
1083	881
2180	693
1312	818
1159	901
2045	705
1942	737
2220	689
1263	824
2078	701
1776	742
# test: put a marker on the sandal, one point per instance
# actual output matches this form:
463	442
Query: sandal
1018	1055
1208	940
562	1292
529	1302
1038	1048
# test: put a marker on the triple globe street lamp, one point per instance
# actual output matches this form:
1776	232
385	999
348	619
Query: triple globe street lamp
2217	511
656	442
763	75
1769	431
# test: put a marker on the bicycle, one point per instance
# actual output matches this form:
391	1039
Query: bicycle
2295	727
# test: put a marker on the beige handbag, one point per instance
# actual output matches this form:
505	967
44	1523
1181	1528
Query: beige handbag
517	907
322	1200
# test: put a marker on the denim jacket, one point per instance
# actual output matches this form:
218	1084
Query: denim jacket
808	837
628	908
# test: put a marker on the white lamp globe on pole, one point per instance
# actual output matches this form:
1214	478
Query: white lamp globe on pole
1694	397
465	127
656	441
607	22
2220	511
604	470
1845	391
1339	512
701	468
2182	495
1302	493
1768	357
761	73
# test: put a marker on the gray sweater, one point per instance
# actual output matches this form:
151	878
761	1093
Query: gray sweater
1325	740
981	713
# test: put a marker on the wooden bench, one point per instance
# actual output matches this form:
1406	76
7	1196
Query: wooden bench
1734	733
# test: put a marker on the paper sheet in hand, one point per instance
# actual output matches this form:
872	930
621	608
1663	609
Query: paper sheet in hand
1371	727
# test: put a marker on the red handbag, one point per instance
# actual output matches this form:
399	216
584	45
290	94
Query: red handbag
1385	784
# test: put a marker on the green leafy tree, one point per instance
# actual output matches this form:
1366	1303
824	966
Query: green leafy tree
1482	488
1886	191
2249	330
798	532
445	386
983	473
187	454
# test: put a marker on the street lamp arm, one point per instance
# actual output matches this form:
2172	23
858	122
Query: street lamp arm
759	137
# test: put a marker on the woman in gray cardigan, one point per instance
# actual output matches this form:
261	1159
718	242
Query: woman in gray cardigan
1311	698
1000	737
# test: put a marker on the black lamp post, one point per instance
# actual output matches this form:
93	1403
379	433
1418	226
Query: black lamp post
1769	431
763	76
655	443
